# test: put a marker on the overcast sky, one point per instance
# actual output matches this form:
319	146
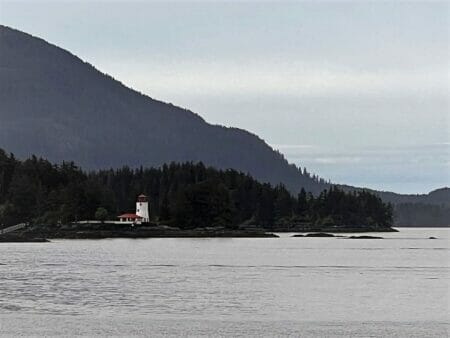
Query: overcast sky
357	92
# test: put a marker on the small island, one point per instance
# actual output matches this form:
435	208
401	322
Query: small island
175	200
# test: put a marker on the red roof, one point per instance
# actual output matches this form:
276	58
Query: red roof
142	198
129	216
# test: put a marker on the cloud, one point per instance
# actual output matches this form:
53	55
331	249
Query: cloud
420	153
407	168
277	77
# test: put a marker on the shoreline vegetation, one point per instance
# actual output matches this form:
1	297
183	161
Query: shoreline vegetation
186	200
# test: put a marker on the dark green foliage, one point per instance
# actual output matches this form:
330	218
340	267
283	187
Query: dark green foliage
204	204
101	214
335	206
186	195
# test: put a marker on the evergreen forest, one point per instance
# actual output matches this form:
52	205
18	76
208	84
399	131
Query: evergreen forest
185	195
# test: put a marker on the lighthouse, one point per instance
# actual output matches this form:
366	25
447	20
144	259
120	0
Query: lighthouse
142	208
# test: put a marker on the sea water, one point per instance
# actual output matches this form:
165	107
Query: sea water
311	287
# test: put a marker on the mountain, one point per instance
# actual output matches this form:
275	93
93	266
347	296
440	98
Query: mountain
420	210
435	197
432	209
54	105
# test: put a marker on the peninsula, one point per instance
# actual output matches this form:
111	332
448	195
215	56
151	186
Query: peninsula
175	200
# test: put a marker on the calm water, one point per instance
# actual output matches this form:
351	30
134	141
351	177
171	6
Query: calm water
323	287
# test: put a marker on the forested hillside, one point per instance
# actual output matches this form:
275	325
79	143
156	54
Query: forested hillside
185	195
65	109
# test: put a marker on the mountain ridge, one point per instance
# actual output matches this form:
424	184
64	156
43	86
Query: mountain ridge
64	109
58	101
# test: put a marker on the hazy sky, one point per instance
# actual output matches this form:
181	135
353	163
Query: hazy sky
357	92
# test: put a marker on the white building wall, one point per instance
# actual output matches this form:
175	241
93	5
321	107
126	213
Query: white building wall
142	210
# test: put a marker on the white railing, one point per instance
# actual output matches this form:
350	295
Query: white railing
13	228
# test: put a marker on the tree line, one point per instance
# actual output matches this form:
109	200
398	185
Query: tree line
186	195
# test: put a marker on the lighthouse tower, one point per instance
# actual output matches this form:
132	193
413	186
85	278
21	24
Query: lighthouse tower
142	208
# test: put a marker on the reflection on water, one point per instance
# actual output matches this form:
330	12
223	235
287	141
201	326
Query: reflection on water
181	284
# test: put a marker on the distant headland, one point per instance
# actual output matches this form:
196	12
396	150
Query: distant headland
175	200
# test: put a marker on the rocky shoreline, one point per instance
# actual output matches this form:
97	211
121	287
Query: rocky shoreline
35	234
323	234
7	238
334	229
43	233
